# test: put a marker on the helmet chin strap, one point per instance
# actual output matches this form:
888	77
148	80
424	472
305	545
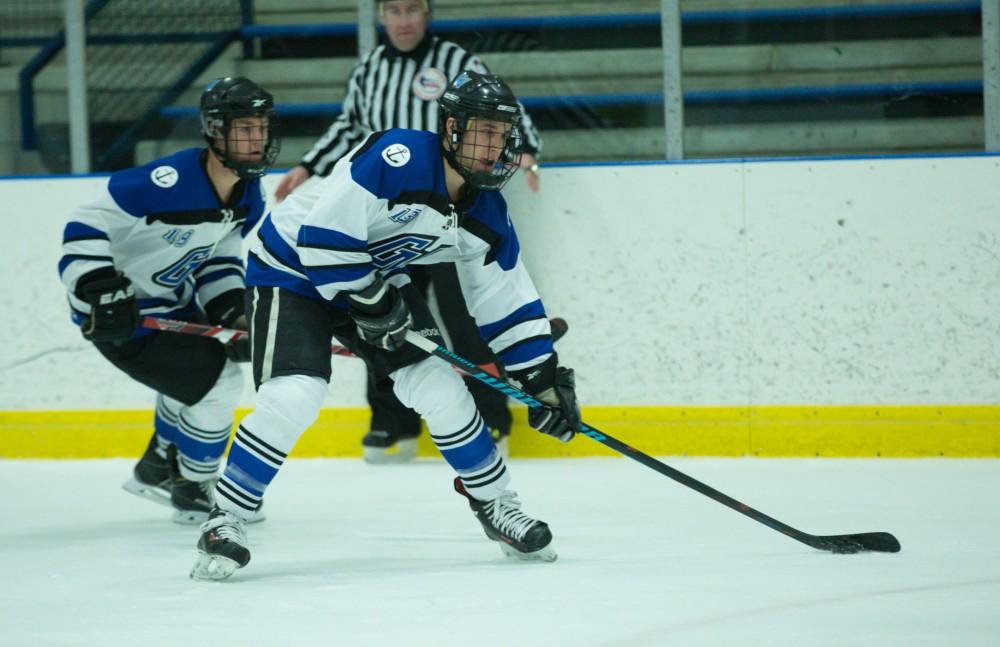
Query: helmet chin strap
451	155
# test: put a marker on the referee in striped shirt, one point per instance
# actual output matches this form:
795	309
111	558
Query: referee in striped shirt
397	86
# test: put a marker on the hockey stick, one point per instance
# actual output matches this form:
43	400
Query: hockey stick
881	542
224	335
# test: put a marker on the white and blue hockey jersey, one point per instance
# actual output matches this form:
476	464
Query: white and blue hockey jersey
164	227
386	206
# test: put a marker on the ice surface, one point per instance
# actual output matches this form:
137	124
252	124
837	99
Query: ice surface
359	555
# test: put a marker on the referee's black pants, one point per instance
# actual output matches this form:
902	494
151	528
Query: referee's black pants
391	415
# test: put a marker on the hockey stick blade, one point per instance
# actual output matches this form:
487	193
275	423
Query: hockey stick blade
873	542
842	544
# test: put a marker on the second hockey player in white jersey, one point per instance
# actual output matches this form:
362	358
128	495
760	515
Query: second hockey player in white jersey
165	240
331	262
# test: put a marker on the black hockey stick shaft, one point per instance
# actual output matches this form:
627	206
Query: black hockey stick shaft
852	543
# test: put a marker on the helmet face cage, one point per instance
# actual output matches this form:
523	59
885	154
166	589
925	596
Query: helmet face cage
476	148
250	148
474	142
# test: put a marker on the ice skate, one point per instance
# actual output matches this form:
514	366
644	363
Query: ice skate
151	476
193	501
519	536
222	547
380	448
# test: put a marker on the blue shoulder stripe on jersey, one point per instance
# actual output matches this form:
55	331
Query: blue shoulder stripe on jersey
400	160
277	247
69	259
262	274
327	274
526	350
79	231
135	192
322	238
527	312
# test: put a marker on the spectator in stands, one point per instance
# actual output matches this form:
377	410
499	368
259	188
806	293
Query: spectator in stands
397	85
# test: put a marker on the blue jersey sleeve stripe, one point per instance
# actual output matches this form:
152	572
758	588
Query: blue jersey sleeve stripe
278	248
526	350
260	273
527	312
320	238
79	231
69	259
338	266
322	276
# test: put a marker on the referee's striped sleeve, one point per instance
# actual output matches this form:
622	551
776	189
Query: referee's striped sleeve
343	134
384	91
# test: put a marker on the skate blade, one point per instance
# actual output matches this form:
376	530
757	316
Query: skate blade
213	568
403	451
148	492
547	554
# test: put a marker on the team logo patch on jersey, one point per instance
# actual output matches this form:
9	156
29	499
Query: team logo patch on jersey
164	176
404	216
396	155
429	84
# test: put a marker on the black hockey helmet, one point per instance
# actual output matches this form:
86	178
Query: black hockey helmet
483	97
230	98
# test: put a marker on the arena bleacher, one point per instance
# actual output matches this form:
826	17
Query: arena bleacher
760	77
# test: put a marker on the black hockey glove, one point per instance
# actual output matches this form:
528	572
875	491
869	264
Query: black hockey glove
555	386
381	315
227	310
114	313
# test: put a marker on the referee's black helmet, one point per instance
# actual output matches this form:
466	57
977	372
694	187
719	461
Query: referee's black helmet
230	98
475	96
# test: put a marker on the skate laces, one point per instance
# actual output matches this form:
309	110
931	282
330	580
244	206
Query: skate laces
505	513
227	526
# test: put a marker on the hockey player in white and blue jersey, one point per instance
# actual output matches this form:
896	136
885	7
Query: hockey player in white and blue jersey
165	240
332	262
